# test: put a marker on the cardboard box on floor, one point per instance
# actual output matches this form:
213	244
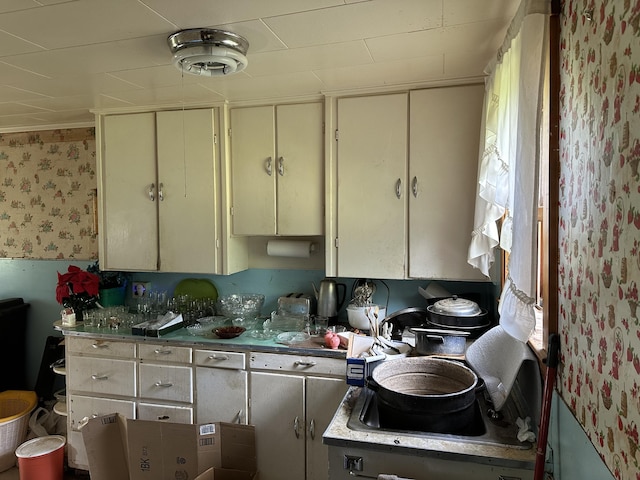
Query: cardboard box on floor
119	448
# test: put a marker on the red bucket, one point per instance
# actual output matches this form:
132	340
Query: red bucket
42	458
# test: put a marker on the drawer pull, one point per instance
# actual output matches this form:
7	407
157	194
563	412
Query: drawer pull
160	383
163	417
296	426
162	352
99	377
218	357
100	345
301	363
239	416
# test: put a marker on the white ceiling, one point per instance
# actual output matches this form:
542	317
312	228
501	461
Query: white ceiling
59	59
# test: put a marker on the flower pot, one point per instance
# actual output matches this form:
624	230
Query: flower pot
110	297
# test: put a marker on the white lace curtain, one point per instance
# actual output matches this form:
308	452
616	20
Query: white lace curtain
509	164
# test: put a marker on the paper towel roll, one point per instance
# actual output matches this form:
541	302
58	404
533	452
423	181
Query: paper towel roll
289	248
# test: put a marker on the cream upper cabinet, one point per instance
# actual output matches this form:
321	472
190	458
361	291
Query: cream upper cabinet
371	186
443	164
406	169
277	169
159	198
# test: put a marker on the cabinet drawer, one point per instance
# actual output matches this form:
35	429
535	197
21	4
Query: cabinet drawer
164	353
100	348
101	375
212	358
165	413
80	408
298	363
166	382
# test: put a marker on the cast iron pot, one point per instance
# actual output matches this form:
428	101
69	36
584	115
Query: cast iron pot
459	313
430	387
432	341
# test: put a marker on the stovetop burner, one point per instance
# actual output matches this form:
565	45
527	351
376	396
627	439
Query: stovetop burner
486	426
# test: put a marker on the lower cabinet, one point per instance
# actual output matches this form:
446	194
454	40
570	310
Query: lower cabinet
290	410
221	386
290	399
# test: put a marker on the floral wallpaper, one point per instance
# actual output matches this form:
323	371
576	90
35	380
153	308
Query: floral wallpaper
599	258
47	191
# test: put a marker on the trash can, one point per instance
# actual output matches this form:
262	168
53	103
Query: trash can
15	408
13	324
42	458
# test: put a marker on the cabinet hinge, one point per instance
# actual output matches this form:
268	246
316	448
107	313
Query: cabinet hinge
215	138
231	211
336	134
323	127
229	133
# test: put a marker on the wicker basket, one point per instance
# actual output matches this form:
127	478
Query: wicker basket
15	408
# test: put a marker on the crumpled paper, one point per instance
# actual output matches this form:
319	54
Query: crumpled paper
524	430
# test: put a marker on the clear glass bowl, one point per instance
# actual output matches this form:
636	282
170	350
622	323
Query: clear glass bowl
240	305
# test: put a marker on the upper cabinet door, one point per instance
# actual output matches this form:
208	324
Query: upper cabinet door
371	179
443	152
277	170
300	169
128	216
188	191
253	171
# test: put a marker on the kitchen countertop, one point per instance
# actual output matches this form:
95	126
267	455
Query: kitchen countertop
340	435
313	347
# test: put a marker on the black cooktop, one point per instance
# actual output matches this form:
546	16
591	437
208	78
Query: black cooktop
486	426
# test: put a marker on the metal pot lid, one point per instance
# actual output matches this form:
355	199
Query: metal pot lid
460	307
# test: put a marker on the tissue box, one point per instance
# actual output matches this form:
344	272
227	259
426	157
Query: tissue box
161	326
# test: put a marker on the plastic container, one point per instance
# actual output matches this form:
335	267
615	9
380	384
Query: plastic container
15	408
42	458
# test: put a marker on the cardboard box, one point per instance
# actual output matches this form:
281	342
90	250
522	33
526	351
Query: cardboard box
227	474
119	448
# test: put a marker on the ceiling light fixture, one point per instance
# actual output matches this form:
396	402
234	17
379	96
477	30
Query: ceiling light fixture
208	52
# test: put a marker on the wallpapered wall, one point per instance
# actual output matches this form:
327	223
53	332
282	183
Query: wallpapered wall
47	194
600	225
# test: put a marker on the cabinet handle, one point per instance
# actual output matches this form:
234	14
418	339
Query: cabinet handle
157	351
239	416
218	357
268	166
312	428
100	345
160	383
99	377
414	187
151	193
160	193
399	188
296	426
301	363
281	166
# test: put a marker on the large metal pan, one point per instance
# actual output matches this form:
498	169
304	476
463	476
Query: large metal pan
433	341
458	313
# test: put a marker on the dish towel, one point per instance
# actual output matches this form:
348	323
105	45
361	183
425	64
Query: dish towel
384	476
496	357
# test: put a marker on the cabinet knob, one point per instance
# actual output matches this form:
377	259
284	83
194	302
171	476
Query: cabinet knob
399	188
218	357
160	193
100	345
152	192
267	166
99	377
162	352
281	166
414	187
301	363
162	384
312	429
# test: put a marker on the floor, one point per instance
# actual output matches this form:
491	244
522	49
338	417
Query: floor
14	474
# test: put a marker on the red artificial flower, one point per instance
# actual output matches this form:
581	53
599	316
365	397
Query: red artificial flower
76	281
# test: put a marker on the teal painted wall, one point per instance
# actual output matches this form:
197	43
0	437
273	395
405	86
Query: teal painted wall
35	282
574	456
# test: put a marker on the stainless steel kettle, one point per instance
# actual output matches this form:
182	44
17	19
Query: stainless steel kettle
328	297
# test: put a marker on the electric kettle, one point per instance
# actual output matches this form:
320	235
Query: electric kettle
328	298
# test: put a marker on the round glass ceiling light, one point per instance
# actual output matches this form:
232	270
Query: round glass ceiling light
208	52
